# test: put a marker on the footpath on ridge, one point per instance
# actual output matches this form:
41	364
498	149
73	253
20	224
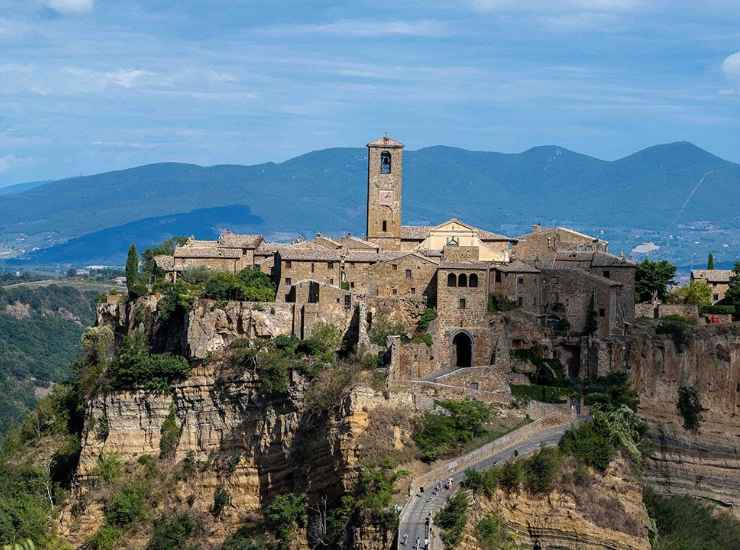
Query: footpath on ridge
422	505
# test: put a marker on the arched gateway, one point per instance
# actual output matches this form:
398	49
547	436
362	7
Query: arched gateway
462	350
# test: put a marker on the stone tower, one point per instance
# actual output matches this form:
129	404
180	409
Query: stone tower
384	181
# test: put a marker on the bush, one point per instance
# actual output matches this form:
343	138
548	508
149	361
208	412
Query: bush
678	328
452	518
383	328
171	533
169	435
511	476
429	315
425	338
106	538
684	523
221	499
128	505
690	407
612	390
540	470
536	392
439	434
249	285
718	310
285	514
492	534
136	368
588	445
484	483
24	506
498	303
109	467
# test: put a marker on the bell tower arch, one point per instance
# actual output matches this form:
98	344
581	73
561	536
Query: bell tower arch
384	183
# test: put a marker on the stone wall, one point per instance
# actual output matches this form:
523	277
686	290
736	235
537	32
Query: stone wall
521	288
689	311
293	271
409	275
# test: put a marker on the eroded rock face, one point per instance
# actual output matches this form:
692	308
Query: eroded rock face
606	514
705	463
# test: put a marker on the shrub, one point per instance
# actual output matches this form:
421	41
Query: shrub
135	367
678	328
109	467
383	328
540	470
690	407
452	518
171	533
536	392
511	476
719	309
425	338
249	285
429	315
498	303
246	538
589	445
24	506
106	538
169	435
177	299
221	499
492	534
439	434
612	390
285	514
128	505
482	482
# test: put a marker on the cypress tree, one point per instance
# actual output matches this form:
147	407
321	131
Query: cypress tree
710	261
132	269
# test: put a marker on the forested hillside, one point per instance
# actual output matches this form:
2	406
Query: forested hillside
40	330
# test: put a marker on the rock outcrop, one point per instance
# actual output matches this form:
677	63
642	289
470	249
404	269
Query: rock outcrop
704	463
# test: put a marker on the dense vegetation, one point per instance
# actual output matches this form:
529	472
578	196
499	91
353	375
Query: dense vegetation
653	278
458	422
40	331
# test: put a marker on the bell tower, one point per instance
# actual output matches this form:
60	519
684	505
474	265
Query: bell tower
384	181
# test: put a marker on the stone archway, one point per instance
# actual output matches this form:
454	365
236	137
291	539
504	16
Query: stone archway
462	350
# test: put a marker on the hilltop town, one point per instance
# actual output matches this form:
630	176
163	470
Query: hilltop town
560	278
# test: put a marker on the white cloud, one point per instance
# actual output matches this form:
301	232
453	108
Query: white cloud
12	161
71	7
559	6
731	67
363	28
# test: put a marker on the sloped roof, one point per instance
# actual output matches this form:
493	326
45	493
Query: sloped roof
385	142
309	254
164	262
584	274
563	229
395	256
590	259
206	252
415	232
464	265
421	232
236	240
355	243
712	275
516	266
326	242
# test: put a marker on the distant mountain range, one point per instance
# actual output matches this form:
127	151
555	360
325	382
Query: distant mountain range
657	189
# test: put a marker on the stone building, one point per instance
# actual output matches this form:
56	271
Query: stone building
556	277
717	279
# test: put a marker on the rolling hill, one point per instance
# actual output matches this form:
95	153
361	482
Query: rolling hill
655	189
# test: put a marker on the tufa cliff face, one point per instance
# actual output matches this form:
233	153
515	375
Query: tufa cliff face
704	463
236	438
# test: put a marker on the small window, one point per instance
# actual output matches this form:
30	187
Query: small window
347	301
607	274
520	280
385	226
395	267
498	276
413	291
473	280
313	267
352	284
715	297
385	163
331	281
288	264
451	280
395	291
461	303
462	280
330	265
288	281
602	312
408	274
520	301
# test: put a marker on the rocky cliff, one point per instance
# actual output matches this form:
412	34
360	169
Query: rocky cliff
704	463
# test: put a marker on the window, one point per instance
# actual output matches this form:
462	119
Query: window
330	265
408	274
462	280
715	297
520	301
520	280
288	281
385	226
498	276
451	280
352	284
288	264
313	267
606	274
385	163
413	291
395	267
331	281
461	303
347	301
473	280
395	291
602	312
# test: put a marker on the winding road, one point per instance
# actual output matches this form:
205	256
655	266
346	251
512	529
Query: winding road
423	505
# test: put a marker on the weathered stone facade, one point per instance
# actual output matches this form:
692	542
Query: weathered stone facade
385	175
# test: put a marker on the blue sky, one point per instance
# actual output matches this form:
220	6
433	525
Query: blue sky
93	85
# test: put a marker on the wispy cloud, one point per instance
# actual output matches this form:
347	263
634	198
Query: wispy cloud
12	161
562	6
363	28
71	7
731	67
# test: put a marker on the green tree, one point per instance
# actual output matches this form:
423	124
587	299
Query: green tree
710	261
653	277
732	297
132	269
697	293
